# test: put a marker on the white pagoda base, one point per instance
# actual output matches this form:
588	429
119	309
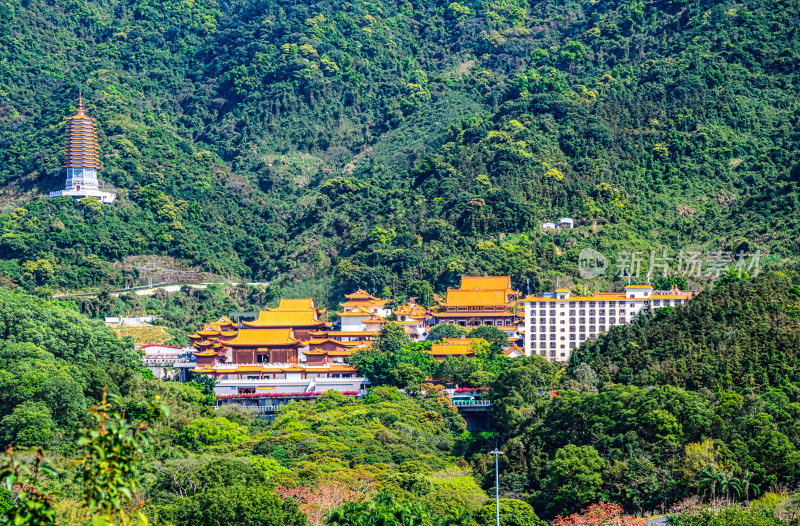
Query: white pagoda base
104	197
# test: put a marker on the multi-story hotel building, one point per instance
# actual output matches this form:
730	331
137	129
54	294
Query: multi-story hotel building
557	322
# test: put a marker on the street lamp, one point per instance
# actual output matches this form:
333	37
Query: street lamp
496	452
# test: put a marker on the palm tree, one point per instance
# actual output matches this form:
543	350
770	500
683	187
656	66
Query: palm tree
727	483
747	477
708	478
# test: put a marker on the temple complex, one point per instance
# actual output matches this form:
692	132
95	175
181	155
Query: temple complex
363	315
480	301
82	162
288	342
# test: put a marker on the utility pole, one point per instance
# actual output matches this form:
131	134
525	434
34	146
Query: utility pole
496	452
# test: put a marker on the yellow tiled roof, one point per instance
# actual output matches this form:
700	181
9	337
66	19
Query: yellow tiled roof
486	282
277	318
295	304
262	338
449	348
463	297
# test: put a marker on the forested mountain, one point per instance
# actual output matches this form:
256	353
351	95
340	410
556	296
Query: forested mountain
741	336
384	143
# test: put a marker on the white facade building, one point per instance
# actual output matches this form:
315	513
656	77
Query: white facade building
557	322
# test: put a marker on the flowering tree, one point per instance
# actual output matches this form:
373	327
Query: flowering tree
600	514
318	500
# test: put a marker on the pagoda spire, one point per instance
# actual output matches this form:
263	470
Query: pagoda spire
82	163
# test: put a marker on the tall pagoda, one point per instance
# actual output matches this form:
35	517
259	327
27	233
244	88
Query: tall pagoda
82	163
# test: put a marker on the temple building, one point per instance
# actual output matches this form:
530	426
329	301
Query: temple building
300	315
484	300
363	316
454	347
287	343
558	322
82	162
414	318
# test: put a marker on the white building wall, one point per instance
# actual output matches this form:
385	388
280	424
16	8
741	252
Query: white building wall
554	326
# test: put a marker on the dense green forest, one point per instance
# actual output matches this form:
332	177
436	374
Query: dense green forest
573	437
390	144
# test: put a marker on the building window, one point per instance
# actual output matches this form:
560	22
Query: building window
543	320
572	312
542	345
592	303
552	345
582	337
542	336
582	328
572	321
612	321
552	321
562	305
612	312
552	328
666	303
582	312
622	312
543	313
571	303
592	336
602	328
543	328
657	303
602	320
562	346
602	312
592	329
633	305
571	328
582	320
581	304
601	303
552	353
563	322
592	312
552	312
571	336
571	345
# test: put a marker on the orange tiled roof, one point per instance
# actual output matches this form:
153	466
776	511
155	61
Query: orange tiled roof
360	294
449	349
612	296
513	348
486	282
262	338
463	297
291	304
278	318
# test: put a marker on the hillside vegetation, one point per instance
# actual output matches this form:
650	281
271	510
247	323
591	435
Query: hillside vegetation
385	144
741	336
